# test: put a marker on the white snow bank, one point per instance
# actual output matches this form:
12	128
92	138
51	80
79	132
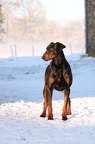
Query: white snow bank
21	103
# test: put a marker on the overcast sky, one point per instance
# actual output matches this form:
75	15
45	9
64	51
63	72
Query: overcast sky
64	10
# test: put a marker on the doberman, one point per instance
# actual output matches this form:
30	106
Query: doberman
58	76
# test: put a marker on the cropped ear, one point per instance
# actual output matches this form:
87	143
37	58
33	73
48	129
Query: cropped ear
51	42
60	45
50	45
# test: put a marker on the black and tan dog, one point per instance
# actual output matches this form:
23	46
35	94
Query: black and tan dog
58	76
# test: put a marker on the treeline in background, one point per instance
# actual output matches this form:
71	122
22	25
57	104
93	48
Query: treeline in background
25	29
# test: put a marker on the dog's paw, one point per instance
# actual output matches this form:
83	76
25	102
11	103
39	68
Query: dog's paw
50	118
64	118
43	116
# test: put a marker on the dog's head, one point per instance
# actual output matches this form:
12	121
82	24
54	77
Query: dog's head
53	50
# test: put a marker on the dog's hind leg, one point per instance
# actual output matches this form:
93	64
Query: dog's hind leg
69	107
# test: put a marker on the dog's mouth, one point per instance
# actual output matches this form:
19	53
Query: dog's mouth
47	57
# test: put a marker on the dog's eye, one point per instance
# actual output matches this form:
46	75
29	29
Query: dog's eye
50	50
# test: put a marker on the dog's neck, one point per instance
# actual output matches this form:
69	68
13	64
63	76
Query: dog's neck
57	65
58	60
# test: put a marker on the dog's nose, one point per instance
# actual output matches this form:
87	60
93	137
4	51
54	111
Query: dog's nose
43	57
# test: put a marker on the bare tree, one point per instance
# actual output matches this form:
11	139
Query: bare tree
8	8
2	30
26	21
26	16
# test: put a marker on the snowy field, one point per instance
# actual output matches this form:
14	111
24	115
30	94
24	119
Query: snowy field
21	103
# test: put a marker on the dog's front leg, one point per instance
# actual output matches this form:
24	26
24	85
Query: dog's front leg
66	99
45	102
50	113
47	93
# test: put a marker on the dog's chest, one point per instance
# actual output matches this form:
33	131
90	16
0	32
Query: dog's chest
57	72
58	75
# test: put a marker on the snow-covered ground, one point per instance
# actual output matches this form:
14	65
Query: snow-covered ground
21	103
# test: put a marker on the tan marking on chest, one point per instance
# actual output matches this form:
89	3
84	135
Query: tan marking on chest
52	80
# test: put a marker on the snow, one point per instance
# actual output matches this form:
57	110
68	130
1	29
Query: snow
21	103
